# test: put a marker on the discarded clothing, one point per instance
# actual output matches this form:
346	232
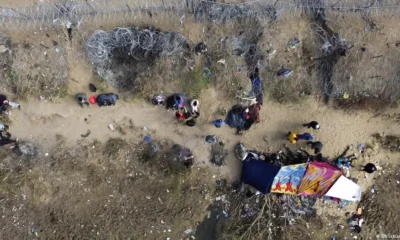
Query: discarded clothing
234	118
259	174
92	87
158	99
283	72
211	139
6	141
218	123
257	90
191	123
108	99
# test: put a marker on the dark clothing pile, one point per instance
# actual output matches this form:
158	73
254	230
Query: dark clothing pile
108	99
242	120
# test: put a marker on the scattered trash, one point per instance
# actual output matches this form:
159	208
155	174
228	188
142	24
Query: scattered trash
158	99
294	42
111	127
3	49
188	231
284	72
211	139
46	154
148	197
361	147
346	95
86	134
41	97
218	154
222	61
206	73
147	139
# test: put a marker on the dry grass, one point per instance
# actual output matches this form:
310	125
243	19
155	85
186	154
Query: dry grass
81	192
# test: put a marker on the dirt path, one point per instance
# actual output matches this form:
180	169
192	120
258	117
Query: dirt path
40	121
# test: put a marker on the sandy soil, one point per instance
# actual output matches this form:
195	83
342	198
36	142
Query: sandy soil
338	128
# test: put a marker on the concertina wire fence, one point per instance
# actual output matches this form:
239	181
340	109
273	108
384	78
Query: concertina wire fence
42	16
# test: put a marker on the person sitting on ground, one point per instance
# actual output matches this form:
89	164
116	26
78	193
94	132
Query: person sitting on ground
317	146
3	132
82	99
305	136
9	105
292	137
107	99
346	162
194	104
200	48
312	124
369	168
4	127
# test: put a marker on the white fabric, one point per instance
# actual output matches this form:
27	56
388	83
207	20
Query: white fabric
194	108
345	189
11	104
2	127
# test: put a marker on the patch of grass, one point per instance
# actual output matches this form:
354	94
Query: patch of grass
194	82
286	93
4	119
113	147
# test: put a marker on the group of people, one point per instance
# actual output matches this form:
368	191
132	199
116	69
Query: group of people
315	145
342	161
107	99
177	103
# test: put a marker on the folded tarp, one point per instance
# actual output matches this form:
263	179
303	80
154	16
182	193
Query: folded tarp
259	174
289	178
345	189
318	178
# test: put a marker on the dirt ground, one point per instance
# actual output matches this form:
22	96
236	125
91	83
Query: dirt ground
76	188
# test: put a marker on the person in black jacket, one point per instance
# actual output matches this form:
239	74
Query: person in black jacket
312	124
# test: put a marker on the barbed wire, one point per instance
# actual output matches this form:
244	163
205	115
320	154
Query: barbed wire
137	44
51	15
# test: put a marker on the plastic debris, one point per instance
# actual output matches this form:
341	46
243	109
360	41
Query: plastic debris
218	123
222	61
294	42
206	73
284	72
211	139
188	231
147	139
111	127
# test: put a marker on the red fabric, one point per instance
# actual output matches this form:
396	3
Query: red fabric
93	100
179	116
254	111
